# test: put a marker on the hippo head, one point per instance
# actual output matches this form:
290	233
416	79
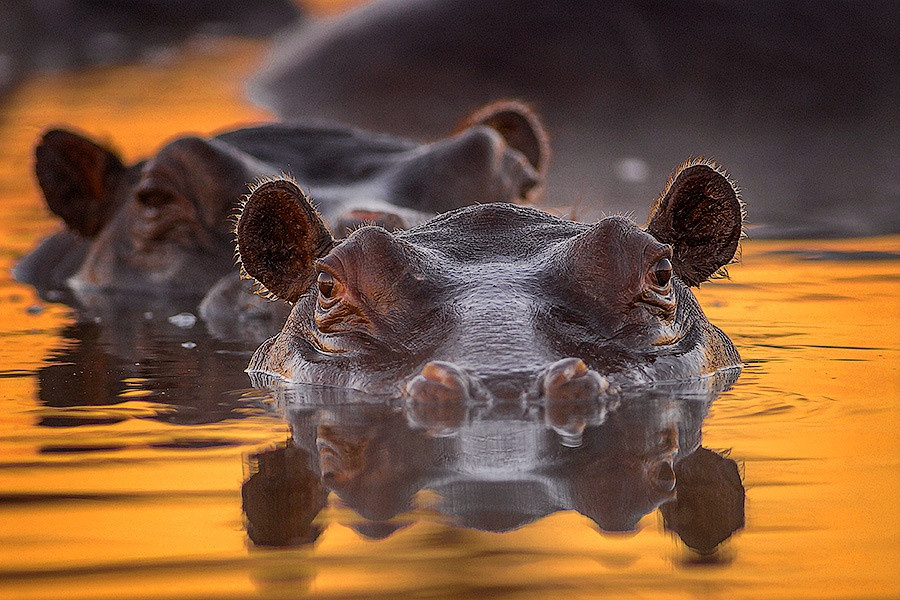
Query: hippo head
494	301
160	226
163	226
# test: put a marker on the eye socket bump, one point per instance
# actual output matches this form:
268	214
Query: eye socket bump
661	273
325	283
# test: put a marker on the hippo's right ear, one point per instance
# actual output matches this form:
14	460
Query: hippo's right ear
519	126
279	237
79	179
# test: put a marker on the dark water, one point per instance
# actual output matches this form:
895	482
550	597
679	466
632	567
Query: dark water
137	460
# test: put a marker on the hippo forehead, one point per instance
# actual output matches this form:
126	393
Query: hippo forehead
493	233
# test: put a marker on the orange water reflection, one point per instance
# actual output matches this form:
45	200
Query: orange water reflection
813	421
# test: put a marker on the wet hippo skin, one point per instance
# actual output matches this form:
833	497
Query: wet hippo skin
495	301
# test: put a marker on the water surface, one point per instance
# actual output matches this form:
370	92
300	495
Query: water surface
126	444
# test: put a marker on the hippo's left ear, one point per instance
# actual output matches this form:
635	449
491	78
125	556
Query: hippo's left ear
701	216
519	126
279	236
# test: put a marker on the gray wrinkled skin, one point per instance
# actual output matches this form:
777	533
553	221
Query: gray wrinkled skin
502	302
501	305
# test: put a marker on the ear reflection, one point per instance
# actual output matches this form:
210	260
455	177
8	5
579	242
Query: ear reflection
282	496
710	503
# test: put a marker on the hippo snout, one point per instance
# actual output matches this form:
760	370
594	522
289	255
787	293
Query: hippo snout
440	396
573	397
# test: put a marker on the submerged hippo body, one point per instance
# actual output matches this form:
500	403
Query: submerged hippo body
164	226
494	301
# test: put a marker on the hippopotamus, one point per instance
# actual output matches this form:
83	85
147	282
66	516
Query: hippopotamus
164	227
495	302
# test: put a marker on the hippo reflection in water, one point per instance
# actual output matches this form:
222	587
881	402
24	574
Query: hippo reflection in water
162	227
498	467
495	301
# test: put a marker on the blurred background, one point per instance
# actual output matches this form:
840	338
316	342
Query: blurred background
797	98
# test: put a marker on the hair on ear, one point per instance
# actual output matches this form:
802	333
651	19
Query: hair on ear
700	214
279	237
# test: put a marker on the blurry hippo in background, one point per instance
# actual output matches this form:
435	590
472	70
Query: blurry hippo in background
496	301
163	227
628	88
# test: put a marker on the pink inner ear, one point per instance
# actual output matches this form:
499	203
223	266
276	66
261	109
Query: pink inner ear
279	236
519	126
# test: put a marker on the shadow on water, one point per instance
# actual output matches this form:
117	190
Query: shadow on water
496	467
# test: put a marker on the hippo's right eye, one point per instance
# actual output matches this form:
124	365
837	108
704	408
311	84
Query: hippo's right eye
662	272
325	283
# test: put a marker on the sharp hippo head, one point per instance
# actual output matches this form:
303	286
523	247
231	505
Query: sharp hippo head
494	301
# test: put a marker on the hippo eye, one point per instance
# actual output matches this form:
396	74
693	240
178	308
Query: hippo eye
325	283
662	272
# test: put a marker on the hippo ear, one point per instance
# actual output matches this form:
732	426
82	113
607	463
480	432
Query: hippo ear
700	215
519	126
279	237
79	179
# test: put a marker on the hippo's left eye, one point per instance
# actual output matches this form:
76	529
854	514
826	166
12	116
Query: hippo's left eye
662	272
325	283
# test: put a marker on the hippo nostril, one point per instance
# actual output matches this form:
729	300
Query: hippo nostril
444	373
573	397
570	368
562	374
438	398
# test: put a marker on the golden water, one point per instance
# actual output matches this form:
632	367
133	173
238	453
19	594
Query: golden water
126	482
